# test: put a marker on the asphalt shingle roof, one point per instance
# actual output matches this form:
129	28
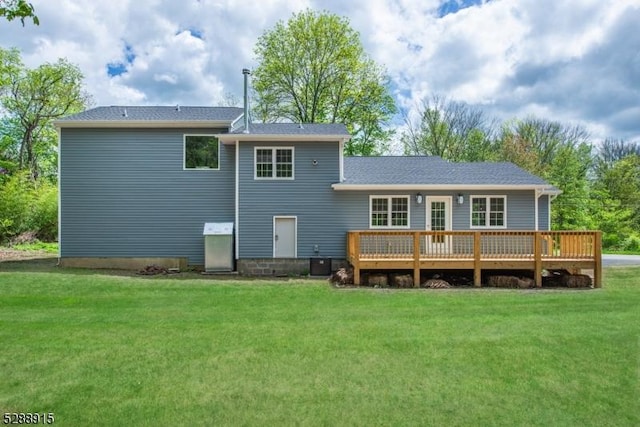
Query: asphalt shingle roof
159	113
295	129
432	170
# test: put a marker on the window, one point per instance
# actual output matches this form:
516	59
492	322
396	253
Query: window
488	211
201	152
389	212
274	163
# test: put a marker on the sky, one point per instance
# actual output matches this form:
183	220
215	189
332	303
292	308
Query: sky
572	61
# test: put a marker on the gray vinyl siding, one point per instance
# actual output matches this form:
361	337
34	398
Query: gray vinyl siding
124	193
543	213
354	206
309	197
325	215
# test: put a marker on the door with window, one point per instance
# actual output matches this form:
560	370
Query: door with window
284	237
438	219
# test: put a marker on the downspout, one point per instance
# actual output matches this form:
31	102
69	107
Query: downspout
59	132
538	193
237	213
246	73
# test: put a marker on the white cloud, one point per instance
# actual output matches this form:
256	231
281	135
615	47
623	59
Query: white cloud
560	59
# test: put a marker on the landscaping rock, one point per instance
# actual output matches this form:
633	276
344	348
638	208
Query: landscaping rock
436	284
401	280
526	283
577	281
378	280
153	270
342	277
503	281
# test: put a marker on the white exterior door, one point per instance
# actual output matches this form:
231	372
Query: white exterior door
439	219
284	237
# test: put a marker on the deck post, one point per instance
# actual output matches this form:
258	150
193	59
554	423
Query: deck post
537	257
416	259
356	259
477	269
597	262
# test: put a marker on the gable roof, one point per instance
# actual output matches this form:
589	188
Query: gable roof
152	116
431	172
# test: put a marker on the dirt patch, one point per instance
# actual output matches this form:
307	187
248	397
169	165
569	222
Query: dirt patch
8	254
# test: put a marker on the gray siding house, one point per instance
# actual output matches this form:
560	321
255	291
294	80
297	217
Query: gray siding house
137	185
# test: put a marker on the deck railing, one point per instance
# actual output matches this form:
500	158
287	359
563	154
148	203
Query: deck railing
379	249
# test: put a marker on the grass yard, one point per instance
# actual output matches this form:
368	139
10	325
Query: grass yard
99	349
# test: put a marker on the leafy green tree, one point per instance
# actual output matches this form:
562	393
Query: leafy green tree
622	180
313	69
560	154
534	143
12	9
452	130
568	170
32	99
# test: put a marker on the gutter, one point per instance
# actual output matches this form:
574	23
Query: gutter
543	190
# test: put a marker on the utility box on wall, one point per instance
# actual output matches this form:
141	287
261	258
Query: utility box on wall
320	267
218	246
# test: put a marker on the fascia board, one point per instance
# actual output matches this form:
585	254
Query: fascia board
141	124
232	138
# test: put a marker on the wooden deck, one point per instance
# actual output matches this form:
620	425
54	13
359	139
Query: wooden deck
475	250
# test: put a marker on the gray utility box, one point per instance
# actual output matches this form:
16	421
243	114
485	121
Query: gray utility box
218	246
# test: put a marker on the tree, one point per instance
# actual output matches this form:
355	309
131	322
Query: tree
313	69
568	171
32	99
452	130
534	143
612	150
622	181
12	9
559	154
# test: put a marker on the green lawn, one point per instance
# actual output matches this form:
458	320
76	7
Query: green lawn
98	349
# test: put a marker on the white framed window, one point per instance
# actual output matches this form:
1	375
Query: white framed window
389	212
273	163
201	152
488	211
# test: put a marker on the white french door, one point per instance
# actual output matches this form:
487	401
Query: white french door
438	219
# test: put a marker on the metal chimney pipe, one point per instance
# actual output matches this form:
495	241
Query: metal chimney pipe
246	73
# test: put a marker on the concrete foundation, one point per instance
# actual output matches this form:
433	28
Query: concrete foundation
122	263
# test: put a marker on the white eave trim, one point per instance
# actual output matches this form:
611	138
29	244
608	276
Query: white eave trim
142	124
232	138
445	187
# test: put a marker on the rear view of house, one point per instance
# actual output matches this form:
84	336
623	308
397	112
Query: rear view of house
138	185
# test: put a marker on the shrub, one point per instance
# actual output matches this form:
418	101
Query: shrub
26	206
631	243
44	216
16	197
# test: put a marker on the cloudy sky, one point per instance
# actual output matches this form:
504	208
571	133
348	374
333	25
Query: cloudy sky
574	61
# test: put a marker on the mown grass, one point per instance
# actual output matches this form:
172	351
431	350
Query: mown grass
115	350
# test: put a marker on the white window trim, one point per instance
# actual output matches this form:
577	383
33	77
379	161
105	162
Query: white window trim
389	207
184	152
274	162
487	197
